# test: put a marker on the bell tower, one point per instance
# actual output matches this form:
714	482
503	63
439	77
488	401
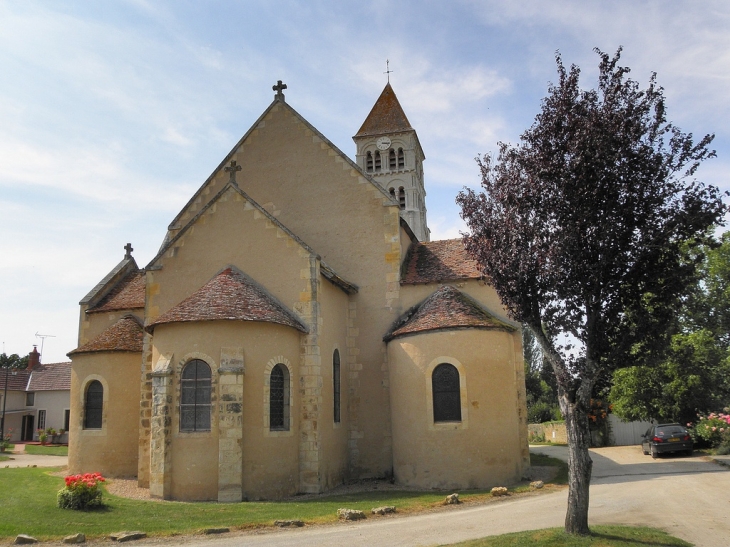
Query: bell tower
389	151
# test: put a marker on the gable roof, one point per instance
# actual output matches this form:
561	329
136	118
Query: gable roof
230	296
49	377
110	281
438	261
125	335
127	294
53	376
446	309
386	116
174	225
327	272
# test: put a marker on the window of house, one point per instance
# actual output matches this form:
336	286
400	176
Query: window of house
279	398
195	389
41	419
391	160
401	159
377	161
29	399
369	162
402	197
446	394
336	384
66	419
93	405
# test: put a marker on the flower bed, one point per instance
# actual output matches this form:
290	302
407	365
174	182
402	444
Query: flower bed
81	492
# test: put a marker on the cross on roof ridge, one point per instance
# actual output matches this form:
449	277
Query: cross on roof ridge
279	87
232	170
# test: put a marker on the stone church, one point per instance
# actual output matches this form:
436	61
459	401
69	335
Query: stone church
298	330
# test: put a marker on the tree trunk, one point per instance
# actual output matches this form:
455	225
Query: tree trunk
580	464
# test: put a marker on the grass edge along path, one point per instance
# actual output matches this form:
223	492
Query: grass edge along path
47	450
29	507
601	536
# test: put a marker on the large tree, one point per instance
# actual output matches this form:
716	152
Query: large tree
579	230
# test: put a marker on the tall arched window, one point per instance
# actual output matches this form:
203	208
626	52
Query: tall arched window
195	397
369	162
279	398
446	394
94	405
402	197
391	159
401	159
336	384
377	161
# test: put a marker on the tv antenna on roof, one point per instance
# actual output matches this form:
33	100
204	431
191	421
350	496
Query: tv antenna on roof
43	339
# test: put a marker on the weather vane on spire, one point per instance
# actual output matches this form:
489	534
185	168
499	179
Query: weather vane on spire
387	69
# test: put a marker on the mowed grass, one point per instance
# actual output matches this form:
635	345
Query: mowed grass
601	536
28	506
40	450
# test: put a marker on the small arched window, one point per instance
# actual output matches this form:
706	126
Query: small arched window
377	161
401	159
369	162
195	396
336	385
446	393
391	160
402	197
279	398
94	405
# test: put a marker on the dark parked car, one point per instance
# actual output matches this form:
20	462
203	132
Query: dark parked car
664	438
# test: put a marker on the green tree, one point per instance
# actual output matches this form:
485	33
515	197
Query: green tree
579	229
695	376
13	361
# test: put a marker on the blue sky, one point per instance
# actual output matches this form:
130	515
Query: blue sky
113	113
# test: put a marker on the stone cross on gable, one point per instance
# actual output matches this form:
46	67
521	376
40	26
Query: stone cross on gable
128	248
279	87
232	170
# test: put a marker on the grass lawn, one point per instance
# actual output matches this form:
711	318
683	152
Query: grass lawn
28	506
4	458
601	536
40	450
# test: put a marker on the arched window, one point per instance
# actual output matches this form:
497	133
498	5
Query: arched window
195	397
391	160
401	159
402	197
336	384
279	398
93	405
446	395
369	162
377	161
392	192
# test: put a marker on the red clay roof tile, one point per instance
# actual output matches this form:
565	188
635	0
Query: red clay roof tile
124	335
446	309
386	116
438	261
51	376
230	296
127	295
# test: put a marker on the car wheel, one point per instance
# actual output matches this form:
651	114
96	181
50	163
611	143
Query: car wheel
654	454
690	452
646	452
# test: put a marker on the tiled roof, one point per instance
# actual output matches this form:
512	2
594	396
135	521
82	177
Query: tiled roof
438	261
17	379
124	335
447	308
230	296
127	295
386	116
53	376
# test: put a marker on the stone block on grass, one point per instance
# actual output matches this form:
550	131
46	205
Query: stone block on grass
23	539
499	491
286	523
121	537
76	538
452	499
384	510
350	514
536	485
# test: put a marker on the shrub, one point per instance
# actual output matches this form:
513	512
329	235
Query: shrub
714	429
81	492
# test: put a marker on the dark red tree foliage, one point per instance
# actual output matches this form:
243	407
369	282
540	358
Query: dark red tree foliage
579	229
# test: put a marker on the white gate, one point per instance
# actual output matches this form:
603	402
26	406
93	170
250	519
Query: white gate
626	433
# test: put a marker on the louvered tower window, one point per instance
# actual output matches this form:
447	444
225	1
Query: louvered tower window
377	161
402	197
391	160
369	162
401	159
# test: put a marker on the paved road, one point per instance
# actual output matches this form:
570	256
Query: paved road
688	497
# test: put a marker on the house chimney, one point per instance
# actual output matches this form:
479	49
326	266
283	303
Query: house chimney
34	358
